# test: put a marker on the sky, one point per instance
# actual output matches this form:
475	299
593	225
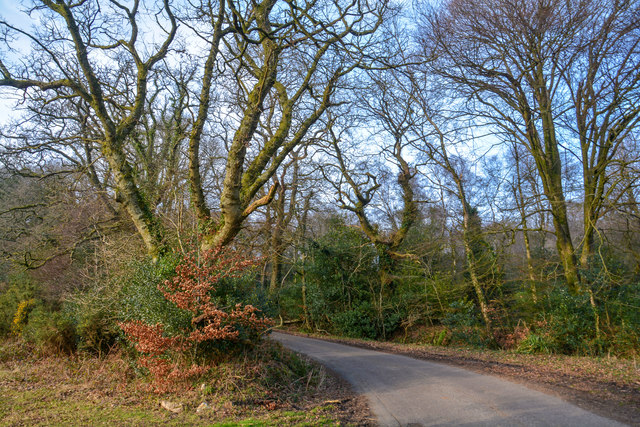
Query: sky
10	12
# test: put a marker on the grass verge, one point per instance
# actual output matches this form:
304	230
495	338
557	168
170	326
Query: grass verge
266	386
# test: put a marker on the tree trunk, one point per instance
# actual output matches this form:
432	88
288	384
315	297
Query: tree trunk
195	180
532	277
233	202
468	249
137	207
305	308
587	243
520	202
277	245
473	267
547	158
564	244
475	282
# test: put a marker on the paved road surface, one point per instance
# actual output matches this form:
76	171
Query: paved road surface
410	392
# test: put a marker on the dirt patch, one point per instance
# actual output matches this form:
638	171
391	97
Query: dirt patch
608	387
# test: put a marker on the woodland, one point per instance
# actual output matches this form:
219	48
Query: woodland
178	177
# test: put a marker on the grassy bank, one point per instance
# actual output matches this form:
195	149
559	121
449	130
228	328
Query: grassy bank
266	386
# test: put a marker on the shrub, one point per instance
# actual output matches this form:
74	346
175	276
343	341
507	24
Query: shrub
130	294
96	327
342	276
244	288
461	313
139	295
622	327
440	339
52	332
625	341
20	317
17	291
290	301
464	323
508	338
357	323
171	357
569	323
535	343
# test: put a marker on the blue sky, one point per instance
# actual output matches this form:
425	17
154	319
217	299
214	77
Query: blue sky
10	12
9	9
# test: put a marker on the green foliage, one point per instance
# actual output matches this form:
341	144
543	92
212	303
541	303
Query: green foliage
88	320
290	300
52	332
461	314
535	343
339	271
343	272
134	295
619	307
344	292
95	314
130	294
357	323
520	299
441	338
24	314
244	289
18	289
363	322
140	299
172	357
570	323
463	321
624	340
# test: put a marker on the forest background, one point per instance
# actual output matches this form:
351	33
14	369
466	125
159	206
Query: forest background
446	172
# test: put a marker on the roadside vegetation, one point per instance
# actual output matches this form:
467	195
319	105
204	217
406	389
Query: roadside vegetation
432	302
153	347
267	386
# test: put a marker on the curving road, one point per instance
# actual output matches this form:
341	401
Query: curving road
408	392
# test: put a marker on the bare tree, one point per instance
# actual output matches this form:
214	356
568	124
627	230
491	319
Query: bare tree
281	59
603	81
292	57
285	205
358	184
508	58
71	51
436	137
